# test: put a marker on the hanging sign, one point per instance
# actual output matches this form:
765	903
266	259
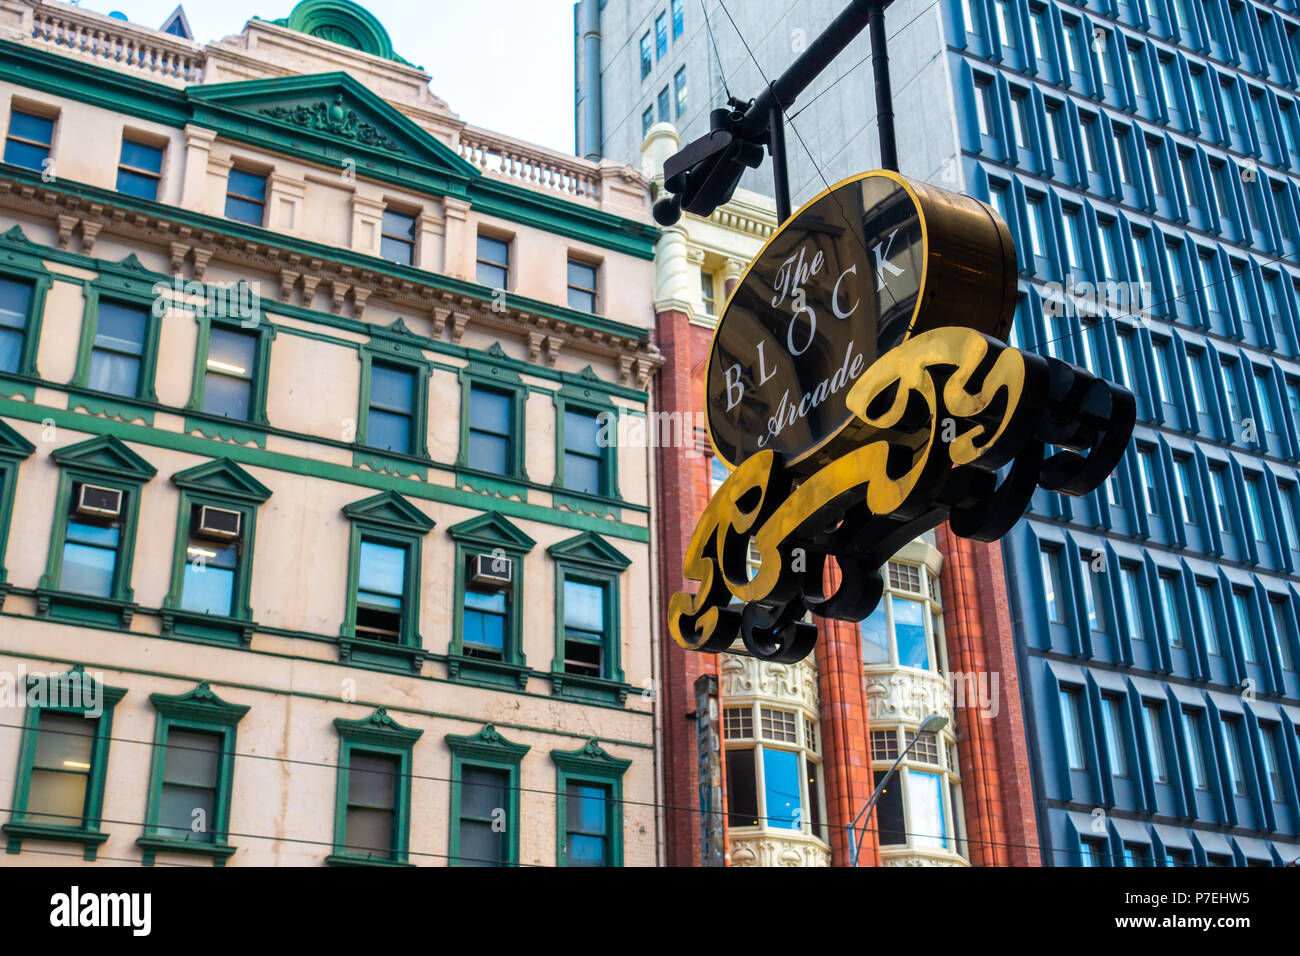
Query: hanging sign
860	391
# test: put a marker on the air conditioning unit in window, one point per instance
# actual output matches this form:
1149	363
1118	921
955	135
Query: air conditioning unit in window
219	523
94	501
492	571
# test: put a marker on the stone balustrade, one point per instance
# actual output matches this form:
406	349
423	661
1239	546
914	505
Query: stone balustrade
116	43
530	165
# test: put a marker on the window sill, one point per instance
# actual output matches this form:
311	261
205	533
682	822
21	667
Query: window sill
478	670
120	407
234	632
84	608
225	429
404	466
583	503
361	650
89	839
152	846
598	689
503	486
347	859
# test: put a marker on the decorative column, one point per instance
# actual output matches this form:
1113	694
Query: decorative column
367	222
846	757
996	788
284	201
732	270
456	241
198	150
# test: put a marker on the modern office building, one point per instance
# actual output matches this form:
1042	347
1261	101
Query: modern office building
1143	154
311	550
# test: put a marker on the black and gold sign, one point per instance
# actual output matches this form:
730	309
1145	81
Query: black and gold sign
859	388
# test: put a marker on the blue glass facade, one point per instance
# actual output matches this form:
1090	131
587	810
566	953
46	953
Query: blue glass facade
1154	145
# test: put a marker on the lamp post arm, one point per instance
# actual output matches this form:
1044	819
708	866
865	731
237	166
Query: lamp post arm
866	810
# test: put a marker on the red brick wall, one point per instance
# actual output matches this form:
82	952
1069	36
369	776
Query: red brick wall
992	750
683	492
846	760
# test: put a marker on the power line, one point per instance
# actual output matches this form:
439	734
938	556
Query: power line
721	72
781	107
865	59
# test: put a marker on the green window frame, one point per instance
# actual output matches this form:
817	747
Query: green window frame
589	766
588	559
391	351
216	484
484	376
489	534
127	285
378	735
586	401
21	263
386	520
210	370
14	449
72	694
105	462
488	751
197	712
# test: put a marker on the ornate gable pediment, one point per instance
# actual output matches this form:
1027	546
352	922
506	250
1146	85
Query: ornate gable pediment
107	456
330	113
222	477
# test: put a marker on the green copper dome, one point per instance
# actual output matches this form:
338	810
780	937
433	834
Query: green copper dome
342	22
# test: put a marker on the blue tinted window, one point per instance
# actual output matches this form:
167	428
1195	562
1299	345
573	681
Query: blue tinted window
587	814
909	633
484	623
582	279
781	787
140	169
392	401
583	456
15	301
29	140
875	637
491	419
228	379
245	196
90	558
118	350
397	242
493	262
209	582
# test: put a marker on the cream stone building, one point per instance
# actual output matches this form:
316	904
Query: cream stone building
310	549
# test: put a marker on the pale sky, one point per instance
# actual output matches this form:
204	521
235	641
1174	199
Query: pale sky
505	65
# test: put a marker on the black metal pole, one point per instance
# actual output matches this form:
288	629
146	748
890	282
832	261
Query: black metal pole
884	96
780	174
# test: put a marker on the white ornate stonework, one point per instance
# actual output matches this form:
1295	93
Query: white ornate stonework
907	856
906	694
747	677
767	849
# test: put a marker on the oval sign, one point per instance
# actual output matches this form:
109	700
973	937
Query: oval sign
853	273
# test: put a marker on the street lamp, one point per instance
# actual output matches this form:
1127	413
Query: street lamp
931	725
